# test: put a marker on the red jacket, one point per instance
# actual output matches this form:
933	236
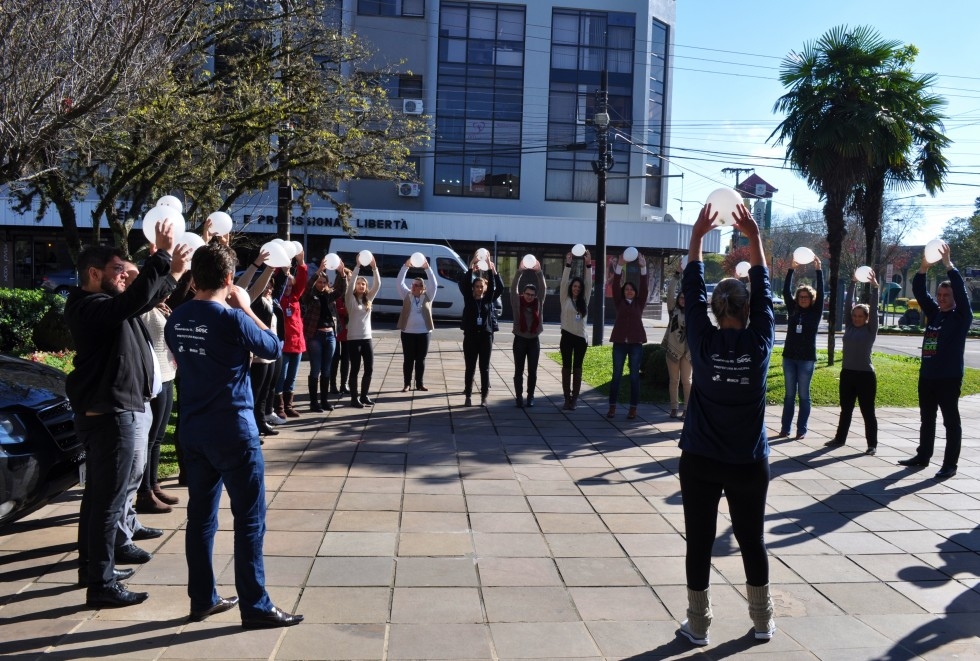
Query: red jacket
294	341
628	327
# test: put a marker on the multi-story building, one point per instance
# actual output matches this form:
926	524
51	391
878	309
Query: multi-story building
512	92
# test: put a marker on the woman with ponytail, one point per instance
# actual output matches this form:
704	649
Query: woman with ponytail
574	295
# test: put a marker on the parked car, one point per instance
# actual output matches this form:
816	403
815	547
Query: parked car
40	456
59	282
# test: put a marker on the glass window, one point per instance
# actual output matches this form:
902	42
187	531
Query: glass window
413	7
480	107
448	269
376	7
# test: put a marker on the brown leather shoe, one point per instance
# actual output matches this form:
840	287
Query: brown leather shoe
632	413
165	497
611	413
146	503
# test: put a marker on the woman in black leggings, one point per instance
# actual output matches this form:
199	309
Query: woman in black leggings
723	445
574	296
478	326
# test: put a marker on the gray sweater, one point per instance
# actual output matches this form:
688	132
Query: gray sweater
858	341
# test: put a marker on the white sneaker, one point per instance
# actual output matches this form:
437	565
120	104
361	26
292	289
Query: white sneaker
768	633
274	419
685	631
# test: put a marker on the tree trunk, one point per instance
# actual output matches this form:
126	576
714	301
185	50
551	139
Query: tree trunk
833	210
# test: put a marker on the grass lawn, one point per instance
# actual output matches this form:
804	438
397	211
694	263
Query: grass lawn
897	379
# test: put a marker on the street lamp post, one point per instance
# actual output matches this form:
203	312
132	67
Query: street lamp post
601	167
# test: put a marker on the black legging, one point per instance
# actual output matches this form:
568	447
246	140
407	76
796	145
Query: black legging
572	348
261	376
415	347
477	345
160	406
861	386
745	486
526	348
360	350
341	361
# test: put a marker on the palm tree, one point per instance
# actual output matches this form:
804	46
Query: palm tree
846	129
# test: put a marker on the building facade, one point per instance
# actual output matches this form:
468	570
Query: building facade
510	90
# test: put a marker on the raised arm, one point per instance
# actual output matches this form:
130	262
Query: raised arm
403	289
375	281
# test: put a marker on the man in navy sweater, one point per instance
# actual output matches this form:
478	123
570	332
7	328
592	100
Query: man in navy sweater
213	338
941	373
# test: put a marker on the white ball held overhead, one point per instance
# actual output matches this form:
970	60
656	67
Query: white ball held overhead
287	246
482	264
298	247
529	261
630	254
277	254
220	223
578	250
191	240
483	254
417	259
724	201
332	261
172	202
742	269
932	251
863	274
159	214
803	255
364	257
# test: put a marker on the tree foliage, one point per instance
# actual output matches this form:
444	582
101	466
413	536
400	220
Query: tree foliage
858	120
67	62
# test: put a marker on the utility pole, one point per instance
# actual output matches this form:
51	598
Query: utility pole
736	172
601	166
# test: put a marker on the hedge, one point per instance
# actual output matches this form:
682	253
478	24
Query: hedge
30	320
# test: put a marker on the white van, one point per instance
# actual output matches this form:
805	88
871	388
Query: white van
391	256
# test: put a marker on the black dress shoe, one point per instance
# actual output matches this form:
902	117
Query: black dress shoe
147	533
117	574
872	451
355	403
367	400
271	620
220	607
834	443
130	554
116	596
945	473
913	462
530	401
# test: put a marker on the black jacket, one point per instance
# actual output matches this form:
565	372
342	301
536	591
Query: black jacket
113	361
481	309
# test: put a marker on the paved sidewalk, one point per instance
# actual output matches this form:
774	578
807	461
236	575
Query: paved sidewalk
421	529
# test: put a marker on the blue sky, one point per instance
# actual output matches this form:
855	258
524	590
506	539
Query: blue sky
725	83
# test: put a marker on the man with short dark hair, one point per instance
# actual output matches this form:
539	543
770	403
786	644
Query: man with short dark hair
109	390
948	320
213	338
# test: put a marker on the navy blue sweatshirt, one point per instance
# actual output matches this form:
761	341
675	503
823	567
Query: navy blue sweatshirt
945	337
726	415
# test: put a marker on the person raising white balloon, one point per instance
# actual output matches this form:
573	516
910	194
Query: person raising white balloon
805	310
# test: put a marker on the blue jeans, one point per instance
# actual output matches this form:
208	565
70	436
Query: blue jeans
110	443
237	463
620	352
320	350
128	523
798	374
287	377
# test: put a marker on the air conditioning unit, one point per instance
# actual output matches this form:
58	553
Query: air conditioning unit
412	106
406	189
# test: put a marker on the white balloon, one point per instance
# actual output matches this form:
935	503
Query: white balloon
364	257
220	223
332	261
287	246
159	214
630	254
298	247
172	202
863	274
191	240
578	250
417	260
482	264
932	251
483	254
803	255
742	269
724	201
529	261
277	254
